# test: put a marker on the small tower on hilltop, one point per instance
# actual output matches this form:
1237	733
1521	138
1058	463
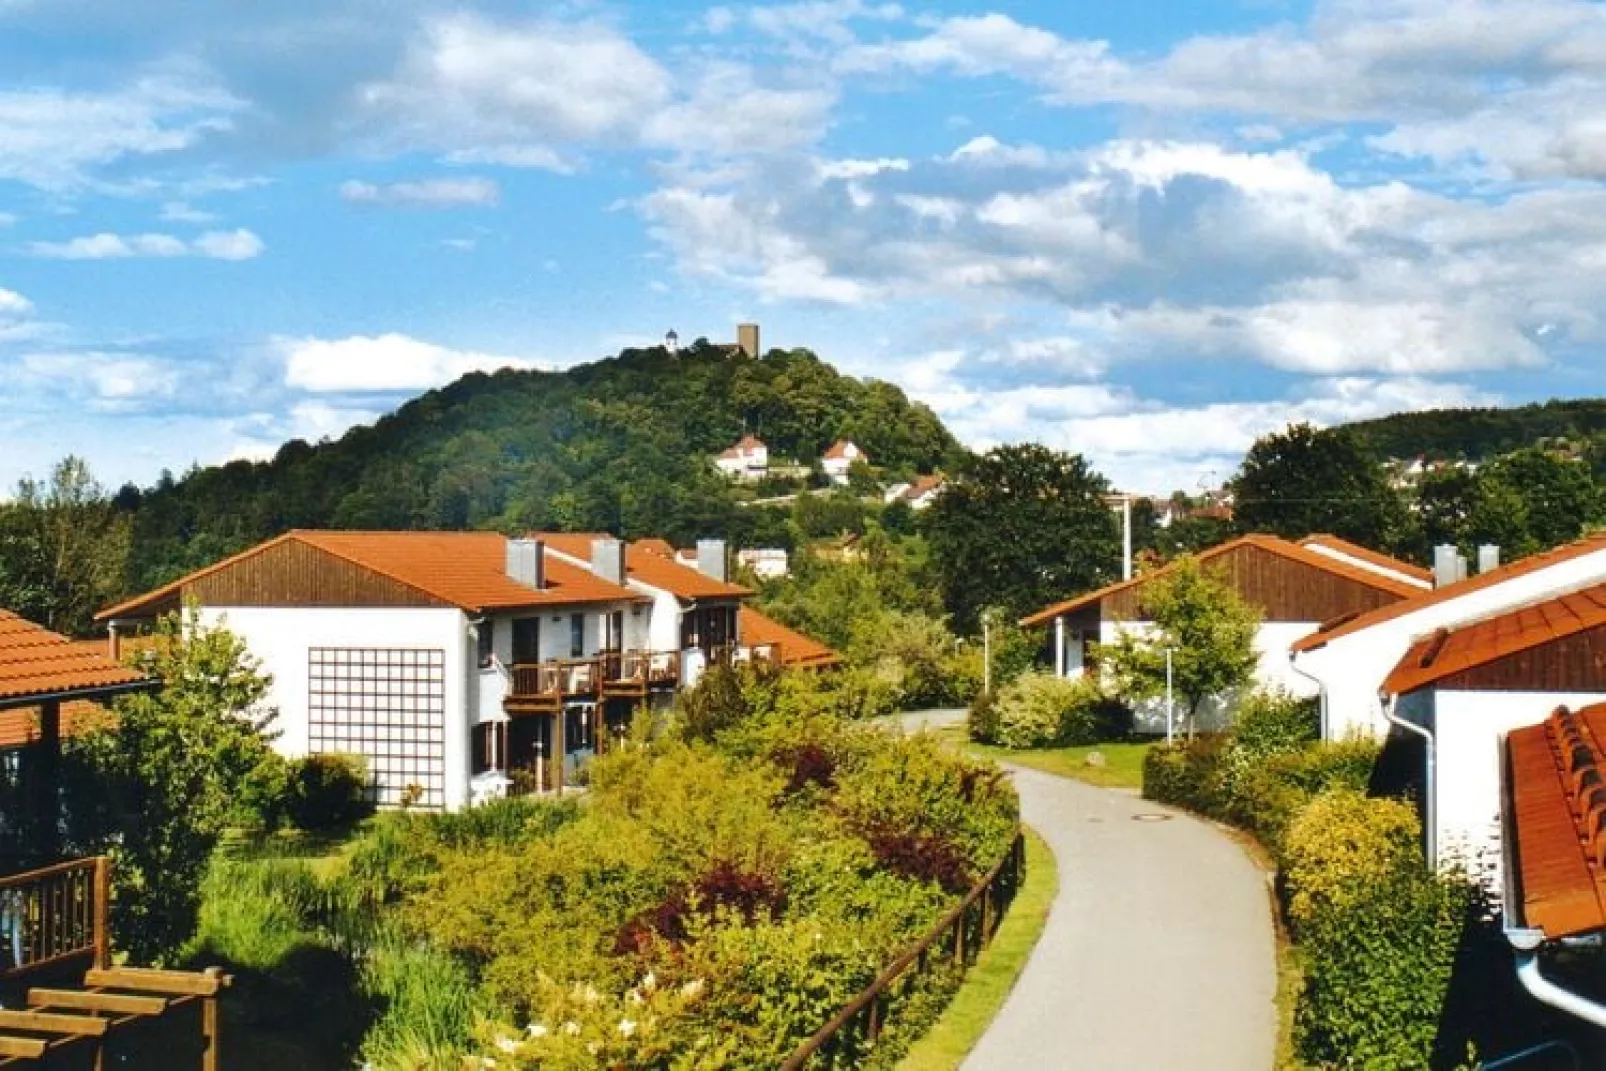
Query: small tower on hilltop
672	342
747	339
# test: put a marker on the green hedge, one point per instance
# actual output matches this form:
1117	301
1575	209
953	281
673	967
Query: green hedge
1043	710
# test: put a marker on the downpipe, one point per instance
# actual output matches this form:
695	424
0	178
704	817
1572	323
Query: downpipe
1431	802
1526	945
1321	690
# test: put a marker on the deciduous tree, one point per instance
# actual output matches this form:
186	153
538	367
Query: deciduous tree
1017	528
1303	480
1209	629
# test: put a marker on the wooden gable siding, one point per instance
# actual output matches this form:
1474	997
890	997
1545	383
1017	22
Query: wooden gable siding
1575	663
1280	588
292	573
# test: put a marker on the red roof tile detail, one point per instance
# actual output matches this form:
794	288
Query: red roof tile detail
839	450
796	649
20	727
1447	652
1367	554
1522	567
1556	800
1270	543
649	565
36	662
464	569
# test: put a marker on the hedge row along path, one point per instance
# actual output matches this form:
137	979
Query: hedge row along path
1159	951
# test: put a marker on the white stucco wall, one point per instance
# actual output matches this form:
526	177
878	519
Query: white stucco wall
281	637
1354	666
1271	644
1468	727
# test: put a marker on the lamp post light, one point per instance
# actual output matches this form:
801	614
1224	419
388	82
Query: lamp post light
1169	704
986	652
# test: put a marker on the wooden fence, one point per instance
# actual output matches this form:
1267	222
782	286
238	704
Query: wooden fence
54	914
958	936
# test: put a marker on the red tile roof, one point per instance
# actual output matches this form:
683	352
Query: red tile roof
748	444
796	649
1422	599
647	564
464	569
1367	554
1446	652
35	662
1270	543
1554	802
839	450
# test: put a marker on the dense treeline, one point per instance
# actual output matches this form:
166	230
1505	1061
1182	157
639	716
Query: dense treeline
1480	434
622	444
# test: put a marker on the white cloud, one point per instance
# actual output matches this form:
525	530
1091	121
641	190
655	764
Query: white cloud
218	245
228	245
427	193
182	212
472	85
57	139
113	382
853	169
13	303
389	362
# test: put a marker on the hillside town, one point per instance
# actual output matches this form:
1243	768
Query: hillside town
809	535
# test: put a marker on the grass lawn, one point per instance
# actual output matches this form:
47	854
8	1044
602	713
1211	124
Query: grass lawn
995	970
1123	760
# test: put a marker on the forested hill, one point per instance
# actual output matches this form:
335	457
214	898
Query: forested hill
1479	434
623	444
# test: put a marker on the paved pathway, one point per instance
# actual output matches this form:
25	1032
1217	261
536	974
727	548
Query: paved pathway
1158	953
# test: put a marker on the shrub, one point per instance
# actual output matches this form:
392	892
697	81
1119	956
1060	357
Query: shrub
982	723
254	913
1378	970
430	1006
1044	710
1263	794
1270	722
327	792
1187	774
1094	717
1341	846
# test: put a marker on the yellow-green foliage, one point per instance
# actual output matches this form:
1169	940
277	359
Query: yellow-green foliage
1341	846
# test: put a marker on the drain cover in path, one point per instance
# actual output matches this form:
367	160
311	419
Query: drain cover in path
1150	816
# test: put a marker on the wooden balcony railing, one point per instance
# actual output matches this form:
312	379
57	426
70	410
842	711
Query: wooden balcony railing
54	914
586	678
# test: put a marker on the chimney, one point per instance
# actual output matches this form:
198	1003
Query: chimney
1488	558
608	560
1444	565
526	562
747	339
711	558
1460	567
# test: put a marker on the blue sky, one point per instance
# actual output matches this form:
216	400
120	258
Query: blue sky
1148	236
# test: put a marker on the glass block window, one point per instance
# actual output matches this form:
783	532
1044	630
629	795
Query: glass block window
387	705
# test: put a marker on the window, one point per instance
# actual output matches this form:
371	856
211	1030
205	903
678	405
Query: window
577	635
388	706
527	640
615	639
487	632
489	747
577	729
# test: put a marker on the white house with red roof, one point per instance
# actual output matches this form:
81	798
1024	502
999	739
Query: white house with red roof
455	664
839	458
1293	587
1351	656
1464	687
749	459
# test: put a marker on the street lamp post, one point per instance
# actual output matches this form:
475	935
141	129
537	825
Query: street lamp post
986	652
1169	705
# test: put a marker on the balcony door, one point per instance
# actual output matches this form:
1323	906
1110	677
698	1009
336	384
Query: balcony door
526	640
613	640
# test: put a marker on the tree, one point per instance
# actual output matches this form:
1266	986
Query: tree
63	549
158	783
1529	500
1018	527
1209	629
1303	480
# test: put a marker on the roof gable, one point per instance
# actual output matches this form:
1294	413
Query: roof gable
466	570
1483	581
1348	584
1452	653
1368	557
795	648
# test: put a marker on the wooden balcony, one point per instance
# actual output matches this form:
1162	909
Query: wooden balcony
544	687
768	654
52	915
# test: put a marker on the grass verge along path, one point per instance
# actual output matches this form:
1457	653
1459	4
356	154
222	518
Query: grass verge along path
992	977
1123	762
